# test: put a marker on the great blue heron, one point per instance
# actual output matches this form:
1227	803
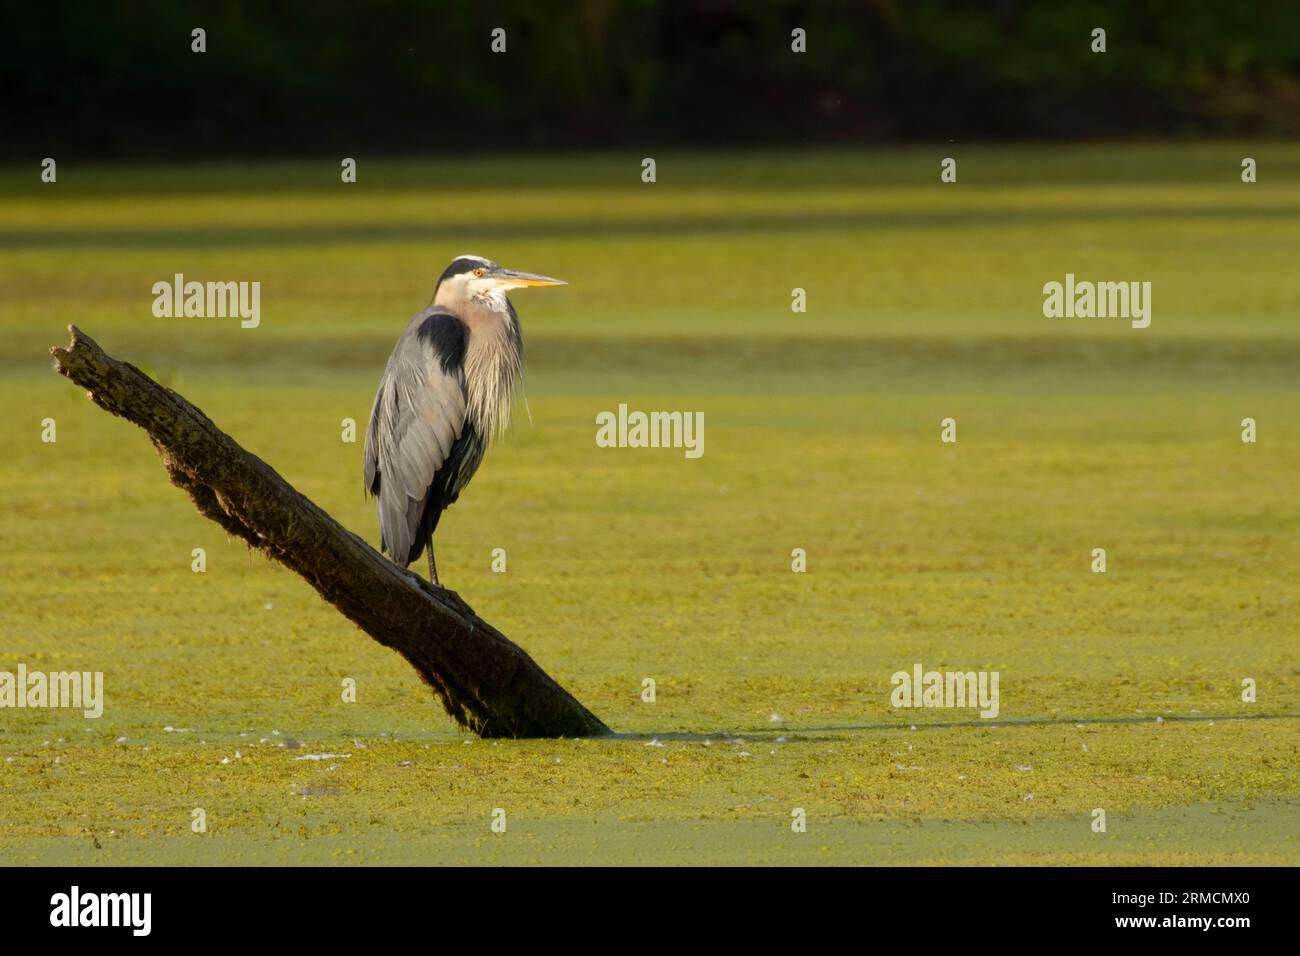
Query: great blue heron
445	394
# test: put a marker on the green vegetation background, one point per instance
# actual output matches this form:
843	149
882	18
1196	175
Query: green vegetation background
1119	691
87	78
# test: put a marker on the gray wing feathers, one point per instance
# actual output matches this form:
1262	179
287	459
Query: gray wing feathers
419	413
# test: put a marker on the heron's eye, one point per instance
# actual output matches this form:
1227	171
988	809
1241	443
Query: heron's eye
479	272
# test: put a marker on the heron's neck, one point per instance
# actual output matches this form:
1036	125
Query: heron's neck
493	365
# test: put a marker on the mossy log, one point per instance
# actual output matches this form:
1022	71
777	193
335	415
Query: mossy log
486	682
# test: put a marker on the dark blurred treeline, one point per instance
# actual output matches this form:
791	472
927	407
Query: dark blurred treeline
109	79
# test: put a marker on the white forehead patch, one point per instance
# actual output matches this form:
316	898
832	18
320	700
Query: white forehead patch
486	262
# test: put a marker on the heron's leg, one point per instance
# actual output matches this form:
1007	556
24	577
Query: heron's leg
433	568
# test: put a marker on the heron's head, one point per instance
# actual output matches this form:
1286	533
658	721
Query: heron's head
473	279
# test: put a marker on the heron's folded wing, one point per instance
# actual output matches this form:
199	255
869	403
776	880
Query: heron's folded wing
419	413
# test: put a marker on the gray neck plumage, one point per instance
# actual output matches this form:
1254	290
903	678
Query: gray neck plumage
494	363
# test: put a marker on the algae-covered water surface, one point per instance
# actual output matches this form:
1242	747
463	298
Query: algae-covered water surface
826	540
